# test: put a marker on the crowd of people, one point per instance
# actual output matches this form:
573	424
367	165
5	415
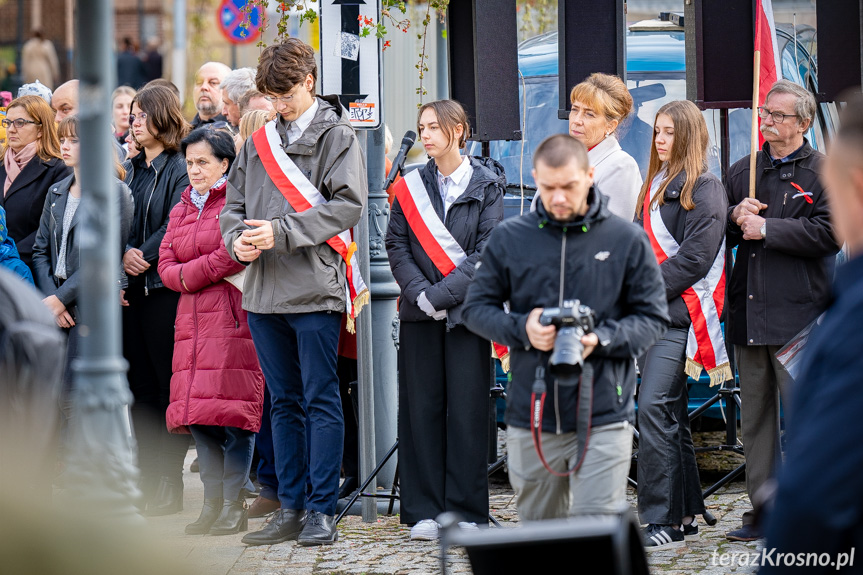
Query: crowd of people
239	289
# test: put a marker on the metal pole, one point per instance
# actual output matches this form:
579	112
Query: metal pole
365	362
384	322
178	50
100	461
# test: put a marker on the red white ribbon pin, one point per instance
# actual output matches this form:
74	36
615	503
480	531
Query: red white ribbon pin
803	193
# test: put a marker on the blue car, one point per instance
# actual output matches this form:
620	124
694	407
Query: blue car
656	74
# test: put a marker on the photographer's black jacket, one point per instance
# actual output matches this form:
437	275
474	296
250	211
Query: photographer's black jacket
609	266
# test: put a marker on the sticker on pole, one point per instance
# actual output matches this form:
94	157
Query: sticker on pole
231	15
351	63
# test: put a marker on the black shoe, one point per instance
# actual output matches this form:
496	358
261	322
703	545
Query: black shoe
209	514
349	485
286	524
320	529
234	518
690	531
661	537
746	533
168	498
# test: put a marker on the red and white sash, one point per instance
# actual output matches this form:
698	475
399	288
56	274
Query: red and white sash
705	346
302	195
436	240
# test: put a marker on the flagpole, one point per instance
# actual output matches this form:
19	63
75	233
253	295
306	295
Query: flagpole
754	132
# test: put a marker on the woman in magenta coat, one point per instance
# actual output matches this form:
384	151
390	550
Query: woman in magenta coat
217	390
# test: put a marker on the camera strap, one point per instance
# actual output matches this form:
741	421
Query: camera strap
584	409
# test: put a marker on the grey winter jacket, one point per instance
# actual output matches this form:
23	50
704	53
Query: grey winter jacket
470	220
47	245
302	273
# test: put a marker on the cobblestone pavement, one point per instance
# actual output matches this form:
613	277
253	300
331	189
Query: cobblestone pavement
384	547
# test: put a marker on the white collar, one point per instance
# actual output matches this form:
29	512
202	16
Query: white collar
459	173
603	149
306	118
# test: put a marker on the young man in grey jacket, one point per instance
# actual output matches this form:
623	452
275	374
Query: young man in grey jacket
295	282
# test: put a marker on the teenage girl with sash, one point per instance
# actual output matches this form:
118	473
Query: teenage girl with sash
442	217
682	207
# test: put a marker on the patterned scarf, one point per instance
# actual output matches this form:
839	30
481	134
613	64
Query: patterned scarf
15	162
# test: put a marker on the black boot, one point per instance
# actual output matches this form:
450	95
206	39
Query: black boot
209	514
320	529
285	525
234	518
168	498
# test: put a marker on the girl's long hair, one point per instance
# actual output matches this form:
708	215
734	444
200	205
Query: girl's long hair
688	154
68	128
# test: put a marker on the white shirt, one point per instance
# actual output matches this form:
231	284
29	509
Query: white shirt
455	184
299	125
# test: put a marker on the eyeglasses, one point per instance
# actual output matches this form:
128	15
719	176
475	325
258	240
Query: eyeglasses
142	116
18	123
283	99
778	117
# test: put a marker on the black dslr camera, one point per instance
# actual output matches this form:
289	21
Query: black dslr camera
573	321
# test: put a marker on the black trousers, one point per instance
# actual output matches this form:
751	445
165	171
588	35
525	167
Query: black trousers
148	346
347	372
668	485
444	381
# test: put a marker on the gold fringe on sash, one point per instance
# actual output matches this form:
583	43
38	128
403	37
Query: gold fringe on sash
718	375
504	361
359	303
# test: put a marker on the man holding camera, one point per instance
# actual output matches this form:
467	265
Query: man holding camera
571	248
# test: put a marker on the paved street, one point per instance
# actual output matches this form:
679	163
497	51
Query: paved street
384	547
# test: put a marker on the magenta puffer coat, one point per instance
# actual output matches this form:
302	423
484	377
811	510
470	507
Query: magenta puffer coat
217	379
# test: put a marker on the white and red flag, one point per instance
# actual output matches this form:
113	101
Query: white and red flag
769	68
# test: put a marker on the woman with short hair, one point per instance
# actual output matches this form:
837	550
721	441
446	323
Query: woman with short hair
157	177
217	390
683	209
599	105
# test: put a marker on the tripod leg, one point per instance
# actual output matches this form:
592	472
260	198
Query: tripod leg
361	491
493	520
393	495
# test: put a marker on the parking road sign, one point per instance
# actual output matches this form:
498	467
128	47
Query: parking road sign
231	16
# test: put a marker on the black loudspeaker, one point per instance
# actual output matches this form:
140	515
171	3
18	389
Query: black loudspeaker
591	38
720	44
608	545
482	47
839	47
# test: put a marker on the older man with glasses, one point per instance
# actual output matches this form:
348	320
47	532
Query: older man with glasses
781	279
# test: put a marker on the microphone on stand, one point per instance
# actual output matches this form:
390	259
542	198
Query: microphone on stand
399	162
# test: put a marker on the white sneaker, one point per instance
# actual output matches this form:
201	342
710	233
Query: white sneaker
425	530
468	526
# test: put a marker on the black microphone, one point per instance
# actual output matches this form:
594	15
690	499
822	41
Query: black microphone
399	162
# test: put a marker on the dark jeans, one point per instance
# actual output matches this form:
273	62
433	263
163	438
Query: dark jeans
297	353
668	485
267	459
444	381
148	345
224	456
